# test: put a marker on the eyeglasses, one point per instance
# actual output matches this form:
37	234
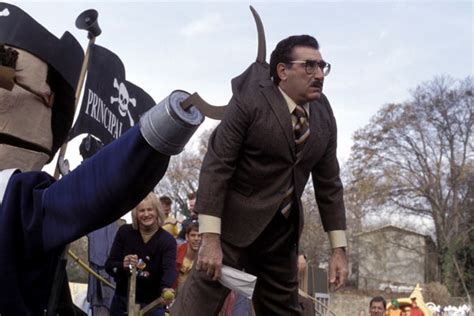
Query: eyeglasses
310	66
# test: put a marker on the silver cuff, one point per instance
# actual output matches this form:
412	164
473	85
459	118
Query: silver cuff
167	127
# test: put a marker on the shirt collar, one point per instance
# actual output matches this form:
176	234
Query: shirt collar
292	104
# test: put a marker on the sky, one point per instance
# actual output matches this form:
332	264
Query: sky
379	50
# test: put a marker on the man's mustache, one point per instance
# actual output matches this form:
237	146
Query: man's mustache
317	84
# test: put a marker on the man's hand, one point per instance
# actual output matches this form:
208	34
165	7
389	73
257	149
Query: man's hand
301	264
338	269
209	258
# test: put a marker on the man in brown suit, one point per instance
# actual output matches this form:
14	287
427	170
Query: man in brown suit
257	164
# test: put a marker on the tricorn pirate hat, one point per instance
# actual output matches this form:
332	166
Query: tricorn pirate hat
64	58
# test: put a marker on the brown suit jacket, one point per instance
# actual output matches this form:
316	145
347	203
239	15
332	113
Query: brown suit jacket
251	161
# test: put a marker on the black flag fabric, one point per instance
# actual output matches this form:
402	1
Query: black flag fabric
110	104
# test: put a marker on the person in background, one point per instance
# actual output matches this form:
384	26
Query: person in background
193	216
170	224
186	254
377	306
148	247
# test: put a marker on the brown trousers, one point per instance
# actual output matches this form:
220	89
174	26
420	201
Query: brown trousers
271	257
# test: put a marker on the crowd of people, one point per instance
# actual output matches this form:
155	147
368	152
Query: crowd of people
152	244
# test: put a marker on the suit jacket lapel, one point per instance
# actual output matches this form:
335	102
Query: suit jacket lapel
314	127
279	107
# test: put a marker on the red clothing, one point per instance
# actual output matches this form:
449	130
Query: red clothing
180	254
415	311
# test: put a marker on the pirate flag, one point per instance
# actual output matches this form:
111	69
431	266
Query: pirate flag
110	104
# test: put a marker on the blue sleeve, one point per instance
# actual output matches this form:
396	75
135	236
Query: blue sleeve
102	189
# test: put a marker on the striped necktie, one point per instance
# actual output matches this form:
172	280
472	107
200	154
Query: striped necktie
301	128
301	131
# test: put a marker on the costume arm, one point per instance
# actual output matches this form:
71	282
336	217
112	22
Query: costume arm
119	176
101	189
327	182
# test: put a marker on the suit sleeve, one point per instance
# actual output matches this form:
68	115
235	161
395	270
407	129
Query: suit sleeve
221	159
328	187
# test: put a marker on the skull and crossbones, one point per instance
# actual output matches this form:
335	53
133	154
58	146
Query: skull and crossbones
5	12
123	100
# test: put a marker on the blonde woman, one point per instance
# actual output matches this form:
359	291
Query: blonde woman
147	246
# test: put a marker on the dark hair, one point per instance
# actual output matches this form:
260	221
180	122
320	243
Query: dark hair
165	200
191	195
378	299
284	50
194	225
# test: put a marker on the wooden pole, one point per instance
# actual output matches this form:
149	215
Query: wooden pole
88	269
80	83
315	301
152	305
133	307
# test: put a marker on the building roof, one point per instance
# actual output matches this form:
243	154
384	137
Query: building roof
393	228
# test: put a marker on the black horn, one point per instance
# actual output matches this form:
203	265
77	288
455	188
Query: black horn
262	47
87	20
210	111
217	112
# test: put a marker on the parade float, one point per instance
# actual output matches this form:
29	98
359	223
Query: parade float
414	305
